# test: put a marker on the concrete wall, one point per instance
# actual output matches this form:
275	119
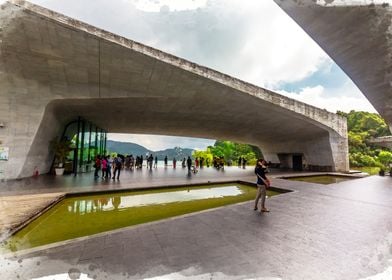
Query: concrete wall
53	69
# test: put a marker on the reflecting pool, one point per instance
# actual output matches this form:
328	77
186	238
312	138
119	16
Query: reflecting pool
90	214
322	179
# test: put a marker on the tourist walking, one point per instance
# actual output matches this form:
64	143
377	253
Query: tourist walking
97	166
109	167
201	162
174	162
189	163
150	160
104	165
165	160
117	167
156	162
131	162
262	184
244	163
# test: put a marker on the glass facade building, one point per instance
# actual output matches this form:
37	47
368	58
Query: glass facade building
88	141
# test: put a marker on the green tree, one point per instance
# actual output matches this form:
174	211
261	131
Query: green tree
385	158
230	151
223	149
203	154
363	126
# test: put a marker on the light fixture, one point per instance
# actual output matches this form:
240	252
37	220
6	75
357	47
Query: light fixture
2	125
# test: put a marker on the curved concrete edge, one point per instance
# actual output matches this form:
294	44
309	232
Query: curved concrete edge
358	37
326	118
33	121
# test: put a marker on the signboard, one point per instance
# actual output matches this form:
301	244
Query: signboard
4	151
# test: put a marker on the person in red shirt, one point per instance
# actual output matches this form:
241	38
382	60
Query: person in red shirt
104	165
97	166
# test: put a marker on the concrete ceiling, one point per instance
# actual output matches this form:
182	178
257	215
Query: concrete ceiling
126	87
55	68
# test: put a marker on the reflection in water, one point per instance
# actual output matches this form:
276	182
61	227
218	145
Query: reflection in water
87	215
64	276
84	206
322	179
116	201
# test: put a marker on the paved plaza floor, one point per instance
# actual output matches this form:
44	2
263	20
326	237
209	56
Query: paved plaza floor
336	231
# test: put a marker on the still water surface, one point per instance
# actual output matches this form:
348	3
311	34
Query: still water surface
324	179
86	215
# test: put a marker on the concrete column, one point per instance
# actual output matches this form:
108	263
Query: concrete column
327	152
21	121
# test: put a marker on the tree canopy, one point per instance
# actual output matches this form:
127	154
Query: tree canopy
230	151
363	126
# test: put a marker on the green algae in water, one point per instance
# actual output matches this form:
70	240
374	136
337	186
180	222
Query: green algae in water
322	179
86	215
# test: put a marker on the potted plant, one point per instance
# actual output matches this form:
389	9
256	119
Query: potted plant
61	149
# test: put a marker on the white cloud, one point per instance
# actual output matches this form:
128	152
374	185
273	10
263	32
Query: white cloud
276	49
343	99
172	5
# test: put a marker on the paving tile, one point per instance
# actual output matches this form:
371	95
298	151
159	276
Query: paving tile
340	231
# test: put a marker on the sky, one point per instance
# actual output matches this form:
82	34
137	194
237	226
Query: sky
254	41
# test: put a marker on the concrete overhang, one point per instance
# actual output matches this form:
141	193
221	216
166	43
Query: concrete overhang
358	38
55	68
385	141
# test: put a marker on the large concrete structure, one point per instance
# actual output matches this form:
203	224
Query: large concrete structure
385	141
359	39
54	68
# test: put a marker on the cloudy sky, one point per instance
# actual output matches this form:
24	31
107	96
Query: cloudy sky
252	40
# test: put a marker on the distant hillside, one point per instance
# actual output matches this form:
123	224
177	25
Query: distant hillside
126	148
176	152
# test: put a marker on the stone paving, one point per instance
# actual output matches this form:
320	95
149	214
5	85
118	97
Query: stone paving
17	209
337	231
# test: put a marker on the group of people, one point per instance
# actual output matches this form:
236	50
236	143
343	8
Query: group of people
242	162
218	162
132	162
108	166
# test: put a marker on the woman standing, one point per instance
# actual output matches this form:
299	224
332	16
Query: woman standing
104	165
262	184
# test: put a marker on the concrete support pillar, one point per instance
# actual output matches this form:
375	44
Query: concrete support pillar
19	136
327	152
39	155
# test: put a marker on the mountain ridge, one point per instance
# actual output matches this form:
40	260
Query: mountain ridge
129	148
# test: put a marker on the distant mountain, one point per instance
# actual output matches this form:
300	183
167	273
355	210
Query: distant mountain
177	152
127	148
